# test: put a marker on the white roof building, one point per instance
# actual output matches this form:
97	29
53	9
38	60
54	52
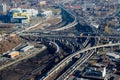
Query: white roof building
16	10
26	48
47	13
30	12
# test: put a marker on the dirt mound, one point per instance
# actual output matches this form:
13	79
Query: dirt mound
10	43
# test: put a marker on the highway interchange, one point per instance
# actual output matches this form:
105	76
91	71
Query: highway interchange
67	59
85	51
79	45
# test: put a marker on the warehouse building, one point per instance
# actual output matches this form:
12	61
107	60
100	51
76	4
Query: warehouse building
19	20
13	54
47	13
18	15
30	12
96	73
26	48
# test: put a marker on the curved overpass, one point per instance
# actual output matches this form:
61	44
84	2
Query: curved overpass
66	27
67	59
58	48
70	24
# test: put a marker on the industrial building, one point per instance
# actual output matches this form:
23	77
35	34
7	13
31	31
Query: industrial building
20	20
18	15
13	54
96	73
26	48
42	2
47	13
30	12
